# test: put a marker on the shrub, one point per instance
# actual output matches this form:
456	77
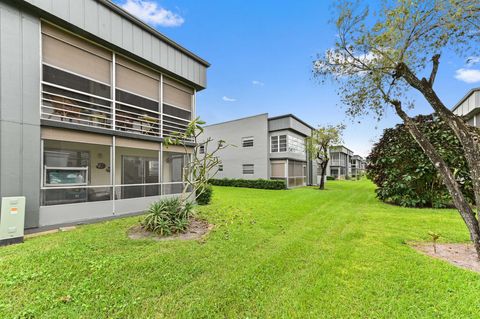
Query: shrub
403	173
330	178
204	195
250	183
167	216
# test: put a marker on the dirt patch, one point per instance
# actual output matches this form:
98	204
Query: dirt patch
196	230
460	255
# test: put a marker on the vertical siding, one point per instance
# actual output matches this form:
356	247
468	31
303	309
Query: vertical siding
99	20
19	108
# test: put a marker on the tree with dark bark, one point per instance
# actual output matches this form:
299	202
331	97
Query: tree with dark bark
319	144
379	58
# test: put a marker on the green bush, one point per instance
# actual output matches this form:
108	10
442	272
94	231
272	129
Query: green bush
330	178
250	183
168	216
403	173
204	195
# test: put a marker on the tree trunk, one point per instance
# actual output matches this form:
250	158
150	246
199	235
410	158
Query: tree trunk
458	198
468	137
323	167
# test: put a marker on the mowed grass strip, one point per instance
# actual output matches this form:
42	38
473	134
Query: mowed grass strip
290	254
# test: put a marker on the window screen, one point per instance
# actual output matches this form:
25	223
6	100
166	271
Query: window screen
247	142
248	169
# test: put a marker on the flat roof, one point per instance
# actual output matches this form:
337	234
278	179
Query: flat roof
293	116
466	96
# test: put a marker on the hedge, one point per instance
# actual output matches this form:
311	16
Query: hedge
250	183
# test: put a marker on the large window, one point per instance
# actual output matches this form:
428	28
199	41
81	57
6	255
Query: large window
75	173
173	172
278	143
139	177
296	144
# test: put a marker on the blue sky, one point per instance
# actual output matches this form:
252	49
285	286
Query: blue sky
261	54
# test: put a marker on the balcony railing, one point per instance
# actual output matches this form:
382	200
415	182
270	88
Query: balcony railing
62	104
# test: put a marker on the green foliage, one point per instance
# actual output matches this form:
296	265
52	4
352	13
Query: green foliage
404	174
330	178
168	216
250	183
204	195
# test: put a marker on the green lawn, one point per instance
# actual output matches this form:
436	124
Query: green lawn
292	254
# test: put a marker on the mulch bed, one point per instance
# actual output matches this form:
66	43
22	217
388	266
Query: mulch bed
196	230
460	255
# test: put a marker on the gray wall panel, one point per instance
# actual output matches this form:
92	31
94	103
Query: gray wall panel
11	65
77	12
61	9
127	38
19	108
91	17
116	30
104	29
137	41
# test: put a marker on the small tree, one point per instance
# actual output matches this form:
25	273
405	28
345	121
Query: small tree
202	165
319	144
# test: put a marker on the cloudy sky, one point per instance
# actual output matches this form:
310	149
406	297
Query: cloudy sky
261	54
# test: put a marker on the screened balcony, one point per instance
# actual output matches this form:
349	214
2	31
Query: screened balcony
87	85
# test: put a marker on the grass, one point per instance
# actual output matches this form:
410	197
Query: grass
289	254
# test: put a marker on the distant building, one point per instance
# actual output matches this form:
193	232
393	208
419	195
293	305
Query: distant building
265	147
469	107
358	165
340	166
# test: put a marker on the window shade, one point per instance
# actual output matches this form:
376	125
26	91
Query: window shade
135	82
177	94
278	169
74	54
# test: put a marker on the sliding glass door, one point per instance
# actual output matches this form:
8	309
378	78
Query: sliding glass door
139	172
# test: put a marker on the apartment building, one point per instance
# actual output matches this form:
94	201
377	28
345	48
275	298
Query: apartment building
469	107
340	164
358	165
87	94
265	147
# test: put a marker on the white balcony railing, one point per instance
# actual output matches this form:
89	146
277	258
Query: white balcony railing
62	104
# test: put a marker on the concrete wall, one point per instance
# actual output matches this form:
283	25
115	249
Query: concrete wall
233	157
98	19
19	108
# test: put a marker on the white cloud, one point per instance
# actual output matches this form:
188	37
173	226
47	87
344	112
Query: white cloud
259	83
228	99
151	13
468	75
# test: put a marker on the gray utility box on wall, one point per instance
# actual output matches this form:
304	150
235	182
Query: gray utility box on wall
12	220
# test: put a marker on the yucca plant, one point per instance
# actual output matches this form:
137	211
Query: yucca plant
168	216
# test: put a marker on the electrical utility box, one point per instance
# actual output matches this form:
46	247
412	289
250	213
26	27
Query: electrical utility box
12	220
